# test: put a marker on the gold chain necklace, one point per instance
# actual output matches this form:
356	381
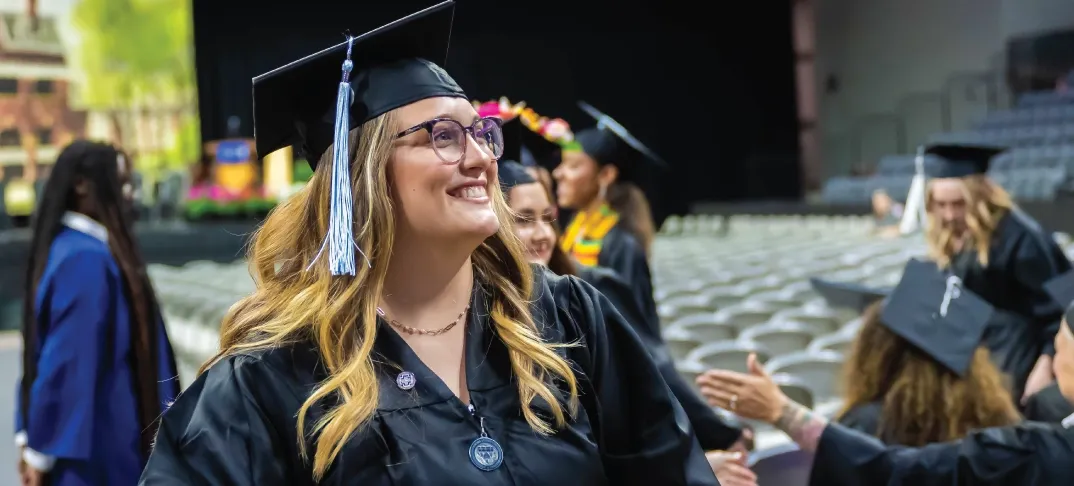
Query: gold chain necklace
414	331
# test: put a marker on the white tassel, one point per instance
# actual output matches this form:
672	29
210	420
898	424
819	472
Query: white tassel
340	238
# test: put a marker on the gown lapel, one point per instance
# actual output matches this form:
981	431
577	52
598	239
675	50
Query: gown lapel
485	357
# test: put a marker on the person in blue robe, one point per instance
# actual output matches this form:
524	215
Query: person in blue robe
98	369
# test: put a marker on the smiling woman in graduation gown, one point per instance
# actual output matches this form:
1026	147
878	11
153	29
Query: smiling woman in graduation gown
1024	454
1007	259
612	226
236	424
537	229
322	379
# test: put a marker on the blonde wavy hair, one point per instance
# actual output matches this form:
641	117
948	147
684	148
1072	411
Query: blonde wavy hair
293	303
986	204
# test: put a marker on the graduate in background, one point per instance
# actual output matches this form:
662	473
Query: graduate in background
916	394
613	224
887	214
97	366
1023	454
976	233
398	334
536	227
1049	404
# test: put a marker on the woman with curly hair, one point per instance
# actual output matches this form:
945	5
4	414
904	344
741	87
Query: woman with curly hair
904	395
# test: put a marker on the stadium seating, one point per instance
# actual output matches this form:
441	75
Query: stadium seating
720	297
1039	131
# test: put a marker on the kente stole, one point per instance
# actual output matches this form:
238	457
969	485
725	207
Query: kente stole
584	237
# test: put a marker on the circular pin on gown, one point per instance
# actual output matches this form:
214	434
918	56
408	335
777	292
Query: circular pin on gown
486	454
406	381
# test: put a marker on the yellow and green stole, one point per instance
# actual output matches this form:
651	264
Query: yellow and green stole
585	235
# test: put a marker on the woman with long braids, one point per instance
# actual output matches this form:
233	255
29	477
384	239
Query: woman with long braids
98	369
398	336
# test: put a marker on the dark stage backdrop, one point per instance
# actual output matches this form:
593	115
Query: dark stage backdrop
711	90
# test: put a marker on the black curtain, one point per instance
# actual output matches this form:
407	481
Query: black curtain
713	93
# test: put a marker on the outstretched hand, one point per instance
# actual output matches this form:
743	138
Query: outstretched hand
754	395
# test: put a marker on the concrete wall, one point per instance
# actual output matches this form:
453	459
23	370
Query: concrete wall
883	51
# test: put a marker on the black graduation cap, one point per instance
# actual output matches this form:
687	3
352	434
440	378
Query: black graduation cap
393	66
512	140
527	147
372	74
847	295
1061	289
611	143
537	150
961	160
512	173
937	315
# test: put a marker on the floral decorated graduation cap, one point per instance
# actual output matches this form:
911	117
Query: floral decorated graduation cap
529	137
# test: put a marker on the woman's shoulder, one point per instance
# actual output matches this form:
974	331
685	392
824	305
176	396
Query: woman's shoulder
569	304
276	380
559	291
74	252
620	235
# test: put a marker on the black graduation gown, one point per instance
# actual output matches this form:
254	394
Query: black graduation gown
623	254
712	432
236	425
864	418
1022	257
1027	454
1048	405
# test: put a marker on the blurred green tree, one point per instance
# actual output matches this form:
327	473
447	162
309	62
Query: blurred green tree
137	56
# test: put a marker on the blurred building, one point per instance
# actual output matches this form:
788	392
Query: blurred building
35	115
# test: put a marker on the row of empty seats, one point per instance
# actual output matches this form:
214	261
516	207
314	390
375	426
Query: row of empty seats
1039	164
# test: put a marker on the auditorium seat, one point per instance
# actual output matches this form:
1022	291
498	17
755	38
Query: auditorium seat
819	317
778	299
724	296
795	388
839	342
780	337
820	369
727	355
680	343
704	327
746	314
690	304
690	370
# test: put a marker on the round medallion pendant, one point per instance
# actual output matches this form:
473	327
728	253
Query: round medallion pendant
486	454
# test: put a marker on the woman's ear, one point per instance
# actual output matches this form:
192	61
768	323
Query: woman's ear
607	175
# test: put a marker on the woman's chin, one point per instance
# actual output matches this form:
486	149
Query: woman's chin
540	257
481	224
